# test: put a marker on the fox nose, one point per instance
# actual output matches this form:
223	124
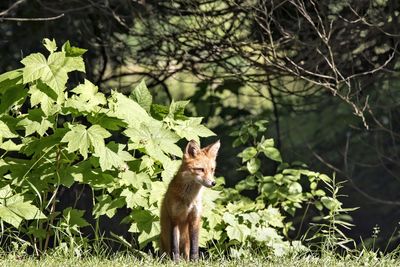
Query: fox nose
213	183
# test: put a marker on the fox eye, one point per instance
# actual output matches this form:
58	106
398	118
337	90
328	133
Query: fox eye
212	169
199	169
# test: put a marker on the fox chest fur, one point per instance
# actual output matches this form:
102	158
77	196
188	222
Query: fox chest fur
189	202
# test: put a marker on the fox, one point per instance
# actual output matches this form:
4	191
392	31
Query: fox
181	207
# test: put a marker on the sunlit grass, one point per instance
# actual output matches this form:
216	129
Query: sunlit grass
363	258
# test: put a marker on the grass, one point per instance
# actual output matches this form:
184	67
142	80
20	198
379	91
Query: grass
363	258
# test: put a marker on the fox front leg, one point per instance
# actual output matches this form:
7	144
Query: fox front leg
175	243
194	239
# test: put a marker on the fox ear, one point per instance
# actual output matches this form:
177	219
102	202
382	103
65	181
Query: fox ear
212	150
192	149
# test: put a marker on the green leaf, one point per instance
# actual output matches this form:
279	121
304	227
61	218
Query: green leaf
34	145
272	153
96	135
5	131
67	176
157	190
107	206
35	67
145	238
74	64
50	45
295	188
240	232
136	180
14	209
266	234
248	154
229	219
252	217
9	145
253	165
191	129
5	192
127	110
156	140
272	216
325	178
73	217
170	169
78	138
110	123
83	173
142	96
330	203
111	156
72	51
135	199
43	95
54	75
10	217
53	71
267	143
12	95
209	203
86	98
32	126
177	109
144	220
10	79
159	112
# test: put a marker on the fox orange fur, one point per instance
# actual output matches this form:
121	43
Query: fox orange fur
181	207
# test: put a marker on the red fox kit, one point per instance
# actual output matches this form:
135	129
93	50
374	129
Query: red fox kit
181	207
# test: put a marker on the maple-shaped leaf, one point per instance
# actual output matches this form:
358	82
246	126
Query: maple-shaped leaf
74	217
33	126
147	224
191	129
50	71
107	206
133	179
135	199
86	98
113	155
45	96
53	71
156	140
82	139
14	209
128	110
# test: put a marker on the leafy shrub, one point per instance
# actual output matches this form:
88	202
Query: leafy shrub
237	222
54	135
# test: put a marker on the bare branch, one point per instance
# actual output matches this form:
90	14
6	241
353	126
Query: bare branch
33	19
13	6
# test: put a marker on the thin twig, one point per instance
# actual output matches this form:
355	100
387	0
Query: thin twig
11	7
33	19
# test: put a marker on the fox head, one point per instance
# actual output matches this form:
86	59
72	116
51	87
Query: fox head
199	163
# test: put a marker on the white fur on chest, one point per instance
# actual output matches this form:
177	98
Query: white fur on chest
196	205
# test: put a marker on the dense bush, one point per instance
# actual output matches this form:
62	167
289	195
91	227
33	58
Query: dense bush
124	148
